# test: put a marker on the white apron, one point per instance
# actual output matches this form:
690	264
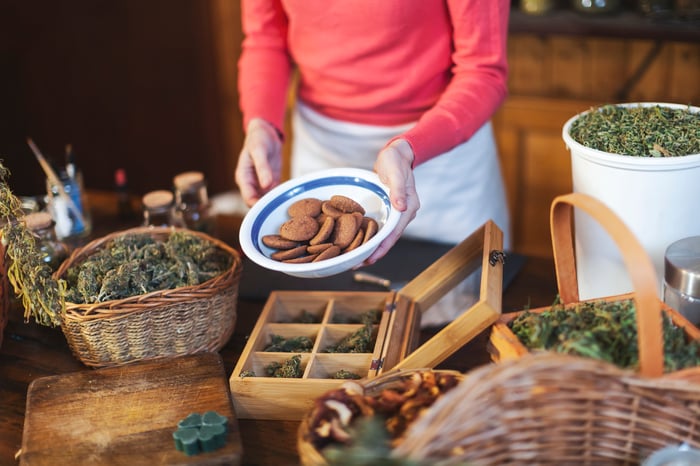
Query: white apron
459	190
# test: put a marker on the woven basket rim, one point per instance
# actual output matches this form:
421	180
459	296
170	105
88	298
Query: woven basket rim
87	309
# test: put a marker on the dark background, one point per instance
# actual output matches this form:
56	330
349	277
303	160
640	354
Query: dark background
133	84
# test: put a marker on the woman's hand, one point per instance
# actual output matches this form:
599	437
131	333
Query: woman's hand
393	166
260	162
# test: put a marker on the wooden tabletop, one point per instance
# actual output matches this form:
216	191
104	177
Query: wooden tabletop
30	351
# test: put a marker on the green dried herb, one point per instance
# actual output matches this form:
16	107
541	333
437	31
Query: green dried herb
345	374
642	131
290	369
135	263
289	345
359	341
245	374
602	330
42	297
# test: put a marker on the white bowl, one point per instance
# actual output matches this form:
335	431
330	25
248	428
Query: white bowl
270	212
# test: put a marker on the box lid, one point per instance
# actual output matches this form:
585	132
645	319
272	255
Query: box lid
483	250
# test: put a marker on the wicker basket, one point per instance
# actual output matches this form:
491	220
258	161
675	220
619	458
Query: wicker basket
310	456
555	409
179	321
503	343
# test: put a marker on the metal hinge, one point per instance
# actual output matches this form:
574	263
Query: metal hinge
497	256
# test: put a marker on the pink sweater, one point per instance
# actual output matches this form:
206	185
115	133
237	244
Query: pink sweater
441	63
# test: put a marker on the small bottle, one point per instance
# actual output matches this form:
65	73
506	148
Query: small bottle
53	251
159	210
192	201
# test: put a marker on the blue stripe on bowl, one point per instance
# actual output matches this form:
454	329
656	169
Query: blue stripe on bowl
308	186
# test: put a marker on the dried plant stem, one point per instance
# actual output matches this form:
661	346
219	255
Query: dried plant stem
41	295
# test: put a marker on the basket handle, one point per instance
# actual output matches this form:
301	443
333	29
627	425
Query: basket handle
637	262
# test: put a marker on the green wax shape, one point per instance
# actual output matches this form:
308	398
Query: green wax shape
212	437
212	418
186	440
193	420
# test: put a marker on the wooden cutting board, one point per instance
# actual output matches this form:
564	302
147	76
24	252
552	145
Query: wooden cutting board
126	415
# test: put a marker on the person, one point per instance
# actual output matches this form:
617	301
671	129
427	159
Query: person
406	88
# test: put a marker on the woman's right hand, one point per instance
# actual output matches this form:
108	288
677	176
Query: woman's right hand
260	162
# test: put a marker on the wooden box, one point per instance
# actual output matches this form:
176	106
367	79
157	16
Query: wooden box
394	336
504	344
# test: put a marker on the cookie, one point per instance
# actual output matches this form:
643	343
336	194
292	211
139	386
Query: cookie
356	241
370	229
345	204
324	232
344	231
329	210
277	242
287	254
301	228
301	260
317	248
328	253
309	206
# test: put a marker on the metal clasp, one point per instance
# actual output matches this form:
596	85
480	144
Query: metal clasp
497	256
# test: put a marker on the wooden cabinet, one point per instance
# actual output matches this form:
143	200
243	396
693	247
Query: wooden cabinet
554	77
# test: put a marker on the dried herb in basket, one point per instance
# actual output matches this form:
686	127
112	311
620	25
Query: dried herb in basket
42	297
643	131
602	330
136	263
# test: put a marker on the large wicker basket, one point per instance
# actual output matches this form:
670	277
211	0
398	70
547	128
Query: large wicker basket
179	321
556	409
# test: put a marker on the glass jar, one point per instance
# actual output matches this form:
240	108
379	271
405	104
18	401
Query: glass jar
192	201
68	222
159	210
681	287
53	251
596	6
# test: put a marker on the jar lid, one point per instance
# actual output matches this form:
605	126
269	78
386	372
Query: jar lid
156	199
38	220
188	179
682	265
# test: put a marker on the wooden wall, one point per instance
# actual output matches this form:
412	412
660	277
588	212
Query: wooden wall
552	78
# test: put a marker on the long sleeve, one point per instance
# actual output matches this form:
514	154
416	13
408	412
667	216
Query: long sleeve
479	84
265	65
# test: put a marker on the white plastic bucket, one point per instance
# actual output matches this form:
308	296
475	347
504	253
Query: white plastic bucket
656	197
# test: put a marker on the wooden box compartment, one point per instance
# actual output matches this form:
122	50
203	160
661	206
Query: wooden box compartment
327	317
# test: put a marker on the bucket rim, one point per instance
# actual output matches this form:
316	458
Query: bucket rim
622	160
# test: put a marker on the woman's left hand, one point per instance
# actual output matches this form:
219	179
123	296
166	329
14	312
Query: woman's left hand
393	166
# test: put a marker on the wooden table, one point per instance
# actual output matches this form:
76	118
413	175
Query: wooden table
30	351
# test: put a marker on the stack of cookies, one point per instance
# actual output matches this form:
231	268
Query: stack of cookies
321	229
